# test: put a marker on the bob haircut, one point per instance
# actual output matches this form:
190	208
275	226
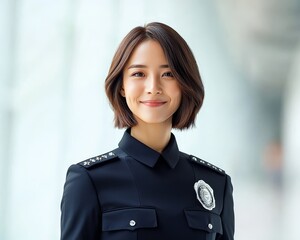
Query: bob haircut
181	62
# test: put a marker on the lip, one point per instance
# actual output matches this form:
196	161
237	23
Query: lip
153	103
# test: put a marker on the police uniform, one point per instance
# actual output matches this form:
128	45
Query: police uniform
136	193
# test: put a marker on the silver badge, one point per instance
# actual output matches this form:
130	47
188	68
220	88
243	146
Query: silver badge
205	194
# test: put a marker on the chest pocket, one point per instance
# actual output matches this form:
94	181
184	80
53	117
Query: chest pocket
205	221
129	219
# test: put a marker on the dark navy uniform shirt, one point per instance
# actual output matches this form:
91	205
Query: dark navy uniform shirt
136	193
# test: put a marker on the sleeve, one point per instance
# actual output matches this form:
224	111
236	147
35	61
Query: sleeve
227	214
80	210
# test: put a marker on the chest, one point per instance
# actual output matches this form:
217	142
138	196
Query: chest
155	203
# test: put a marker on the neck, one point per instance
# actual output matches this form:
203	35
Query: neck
155	136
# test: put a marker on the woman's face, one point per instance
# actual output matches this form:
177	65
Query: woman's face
152	93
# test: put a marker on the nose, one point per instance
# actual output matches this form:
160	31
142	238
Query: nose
153	85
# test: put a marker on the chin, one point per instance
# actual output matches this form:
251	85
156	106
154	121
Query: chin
156	121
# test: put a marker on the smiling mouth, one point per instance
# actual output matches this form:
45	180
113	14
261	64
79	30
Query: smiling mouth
152	103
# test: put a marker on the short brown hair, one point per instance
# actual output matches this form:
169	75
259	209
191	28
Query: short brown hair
182	64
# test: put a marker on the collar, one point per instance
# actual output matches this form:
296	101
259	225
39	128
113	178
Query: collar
147	155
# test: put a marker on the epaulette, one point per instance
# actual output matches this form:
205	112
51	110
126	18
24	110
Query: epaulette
98	159
206	164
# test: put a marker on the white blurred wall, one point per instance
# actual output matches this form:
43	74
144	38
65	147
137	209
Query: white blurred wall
291	126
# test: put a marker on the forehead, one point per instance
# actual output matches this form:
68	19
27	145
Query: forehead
149	51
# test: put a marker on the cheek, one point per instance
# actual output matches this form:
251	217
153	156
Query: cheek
131	88
175	92
178	102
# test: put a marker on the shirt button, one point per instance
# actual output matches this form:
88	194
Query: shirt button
132	223
210	226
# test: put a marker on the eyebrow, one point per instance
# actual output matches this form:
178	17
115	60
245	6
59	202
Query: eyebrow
144	66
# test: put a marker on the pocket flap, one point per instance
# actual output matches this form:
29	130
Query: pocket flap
206	221
129	219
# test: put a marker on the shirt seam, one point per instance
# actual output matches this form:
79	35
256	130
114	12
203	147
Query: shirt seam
95	189
138	194
132	177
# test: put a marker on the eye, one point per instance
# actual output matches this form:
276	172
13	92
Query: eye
168	74
138	74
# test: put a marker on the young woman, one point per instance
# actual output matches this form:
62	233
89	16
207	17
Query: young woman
146	189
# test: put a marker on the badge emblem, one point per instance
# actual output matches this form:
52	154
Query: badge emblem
205	194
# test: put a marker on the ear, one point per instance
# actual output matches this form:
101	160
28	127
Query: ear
122	92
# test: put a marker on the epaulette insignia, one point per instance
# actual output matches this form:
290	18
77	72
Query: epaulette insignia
206	164
95	160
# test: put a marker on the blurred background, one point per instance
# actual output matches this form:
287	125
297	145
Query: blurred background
53	112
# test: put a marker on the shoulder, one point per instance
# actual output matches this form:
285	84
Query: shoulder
101	159
201	163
